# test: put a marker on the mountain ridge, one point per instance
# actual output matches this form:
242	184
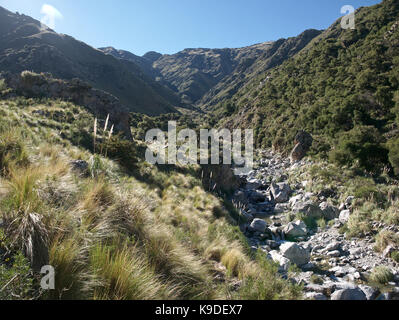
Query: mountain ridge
26	45
205	76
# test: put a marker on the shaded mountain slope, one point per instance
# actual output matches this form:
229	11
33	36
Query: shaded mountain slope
205	77
25	45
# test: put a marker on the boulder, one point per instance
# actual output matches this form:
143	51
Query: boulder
349	294
295	229
309	209
280	192
371	293
303	142
349	201
344	216
281	260
253	184
329	211
295	253
315	296
333	246
256	196
241	197
294	200
258	225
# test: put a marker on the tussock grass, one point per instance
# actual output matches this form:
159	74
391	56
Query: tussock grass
386	238
381	275
123	275
125	231
72	281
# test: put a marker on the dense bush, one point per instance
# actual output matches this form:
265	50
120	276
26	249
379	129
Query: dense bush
362	147
393	147
124	151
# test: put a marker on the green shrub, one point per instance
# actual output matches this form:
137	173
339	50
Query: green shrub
393	147
316	279
361	147
3	85
395	256
123	151
16	277
12	149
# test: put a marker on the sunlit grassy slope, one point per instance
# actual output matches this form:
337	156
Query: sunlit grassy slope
122	229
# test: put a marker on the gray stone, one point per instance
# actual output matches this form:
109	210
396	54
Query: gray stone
335	253
333	246
315	296
280	191
309	209
329	211
349	294
295	229
349	201
294	200
295	253
256	196
371	293
342	271
344	216
258	225
278	258
280	208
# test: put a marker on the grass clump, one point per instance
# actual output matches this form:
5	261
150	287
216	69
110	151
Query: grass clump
385	238
381	275
123	275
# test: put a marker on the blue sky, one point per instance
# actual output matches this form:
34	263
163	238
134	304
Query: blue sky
168	26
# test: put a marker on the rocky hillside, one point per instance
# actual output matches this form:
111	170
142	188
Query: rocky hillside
207	76
24	45
296	216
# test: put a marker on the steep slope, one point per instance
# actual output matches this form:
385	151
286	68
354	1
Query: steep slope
253	63
25	45
207	76
343	80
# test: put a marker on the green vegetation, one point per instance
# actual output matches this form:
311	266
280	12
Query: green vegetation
120	229
342	88
381	276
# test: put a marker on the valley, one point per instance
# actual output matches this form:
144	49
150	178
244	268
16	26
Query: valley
316	219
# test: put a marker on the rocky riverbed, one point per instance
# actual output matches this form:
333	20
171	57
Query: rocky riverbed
330	266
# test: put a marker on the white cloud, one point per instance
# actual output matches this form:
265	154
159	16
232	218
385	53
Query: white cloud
50	15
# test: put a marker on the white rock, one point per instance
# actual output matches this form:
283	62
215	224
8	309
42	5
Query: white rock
278	258
280	191
295	229
295	253
315	296
371	293
294	200
344	216
259	225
